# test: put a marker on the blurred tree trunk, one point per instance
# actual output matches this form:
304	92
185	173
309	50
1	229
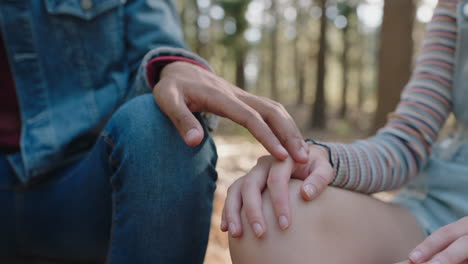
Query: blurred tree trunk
299	72
183	10
395	56
299	60
236	42
274	53
345	72
199	45
319	106
240	63
360	81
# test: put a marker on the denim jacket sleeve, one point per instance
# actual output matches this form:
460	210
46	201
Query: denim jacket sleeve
153	29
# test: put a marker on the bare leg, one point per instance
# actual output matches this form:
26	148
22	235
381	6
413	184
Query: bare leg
338	227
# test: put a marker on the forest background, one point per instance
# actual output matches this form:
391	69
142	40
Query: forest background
338	66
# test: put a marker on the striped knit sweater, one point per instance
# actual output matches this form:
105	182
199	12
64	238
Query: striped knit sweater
400	149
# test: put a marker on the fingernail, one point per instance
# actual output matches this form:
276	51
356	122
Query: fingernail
223	225
435	262
415	255
283	222
192	134
258	230
303	153
282	150
309	190
305	146
232	228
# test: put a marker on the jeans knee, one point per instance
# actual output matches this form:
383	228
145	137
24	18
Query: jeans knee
140	123
147	145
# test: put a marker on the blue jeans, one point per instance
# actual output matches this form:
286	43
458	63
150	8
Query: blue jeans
140	196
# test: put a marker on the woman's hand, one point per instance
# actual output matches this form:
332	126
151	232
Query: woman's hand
448	245
246	192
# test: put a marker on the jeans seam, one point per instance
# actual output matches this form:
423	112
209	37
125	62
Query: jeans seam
113	223
110	142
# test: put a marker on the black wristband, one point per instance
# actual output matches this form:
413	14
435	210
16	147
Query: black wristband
322	145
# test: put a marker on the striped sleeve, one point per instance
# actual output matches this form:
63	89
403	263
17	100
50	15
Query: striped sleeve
400	149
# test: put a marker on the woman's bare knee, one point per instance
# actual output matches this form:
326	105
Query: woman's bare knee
271	247
333	228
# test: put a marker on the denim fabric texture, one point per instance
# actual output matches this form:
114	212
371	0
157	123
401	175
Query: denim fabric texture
74	63
438	196
141	195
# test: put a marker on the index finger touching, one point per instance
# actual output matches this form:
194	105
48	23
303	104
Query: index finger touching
281	123
243	114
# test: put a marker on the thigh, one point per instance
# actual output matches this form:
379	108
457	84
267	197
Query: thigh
338	227
67	216
7	219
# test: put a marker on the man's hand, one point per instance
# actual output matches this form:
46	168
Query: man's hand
184	88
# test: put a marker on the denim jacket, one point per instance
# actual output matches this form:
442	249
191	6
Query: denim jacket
74	63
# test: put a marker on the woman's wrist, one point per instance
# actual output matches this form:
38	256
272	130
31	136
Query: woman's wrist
322	147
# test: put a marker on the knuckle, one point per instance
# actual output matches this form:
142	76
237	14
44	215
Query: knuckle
274	180
263	99
247	183
293	139
279	204
277	113
223	215
229	217
274	104
184	118
464	220
441	235
218	95
275	107
263	159
230	214
229	190
448	232
327	171
246	118
464	241
271	114
243	122
444	257
251	119
322	180
232	189
251	213
322	155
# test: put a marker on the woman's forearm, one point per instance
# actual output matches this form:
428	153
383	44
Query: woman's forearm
400	149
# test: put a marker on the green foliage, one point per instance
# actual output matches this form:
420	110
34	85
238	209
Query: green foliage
346	9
